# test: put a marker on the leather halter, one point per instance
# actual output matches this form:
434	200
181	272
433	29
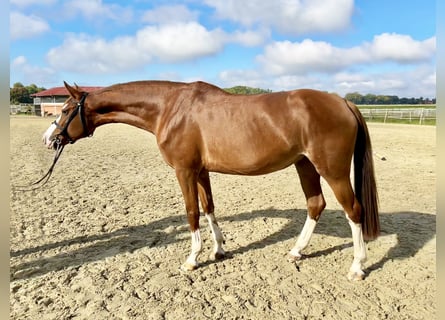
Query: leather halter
79	110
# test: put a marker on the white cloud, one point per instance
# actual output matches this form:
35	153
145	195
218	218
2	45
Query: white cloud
23	26
252	78
401	48
180	41
19	61
291	82
249	38
171	43
168	43
27	3
289	16
86	54
285	57
257	79
429	79
94	10
32	74
169	14
414	82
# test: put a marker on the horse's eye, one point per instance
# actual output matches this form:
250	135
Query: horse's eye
64	112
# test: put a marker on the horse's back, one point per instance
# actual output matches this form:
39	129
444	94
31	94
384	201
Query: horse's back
263	133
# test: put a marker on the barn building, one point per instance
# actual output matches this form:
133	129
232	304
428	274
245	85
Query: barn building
49	102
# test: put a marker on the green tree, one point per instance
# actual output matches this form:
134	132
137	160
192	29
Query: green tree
246	90
20	94
354	97
369	98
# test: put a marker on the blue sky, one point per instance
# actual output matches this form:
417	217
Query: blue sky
369	46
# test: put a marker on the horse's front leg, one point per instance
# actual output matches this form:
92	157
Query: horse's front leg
188	180
205	194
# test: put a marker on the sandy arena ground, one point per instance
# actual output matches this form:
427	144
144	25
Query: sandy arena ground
105	237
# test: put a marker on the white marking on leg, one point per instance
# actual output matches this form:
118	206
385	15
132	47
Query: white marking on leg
303	238
356	270
217	236
192	261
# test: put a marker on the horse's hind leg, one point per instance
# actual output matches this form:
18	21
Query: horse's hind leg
205	195
343	191
310	182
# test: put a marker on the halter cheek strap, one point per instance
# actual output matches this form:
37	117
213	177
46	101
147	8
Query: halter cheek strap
79	110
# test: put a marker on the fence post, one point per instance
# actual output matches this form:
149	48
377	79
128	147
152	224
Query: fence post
386	116
421	116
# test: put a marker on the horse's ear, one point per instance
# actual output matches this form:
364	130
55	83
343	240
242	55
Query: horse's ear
74	92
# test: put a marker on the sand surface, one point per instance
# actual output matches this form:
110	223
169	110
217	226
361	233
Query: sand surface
104	239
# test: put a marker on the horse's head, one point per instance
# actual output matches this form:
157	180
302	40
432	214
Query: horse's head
72	124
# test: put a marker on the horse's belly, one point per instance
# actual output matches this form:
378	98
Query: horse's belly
250	161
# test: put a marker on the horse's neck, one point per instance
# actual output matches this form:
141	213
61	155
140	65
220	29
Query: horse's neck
120	105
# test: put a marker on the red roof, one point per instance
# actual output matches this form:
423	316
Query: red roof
61	91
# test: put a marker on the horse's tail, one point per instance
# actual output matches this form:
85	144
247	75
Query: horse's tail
364	178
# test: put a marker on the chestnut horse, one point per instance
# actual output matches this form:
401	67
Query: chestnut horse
201	128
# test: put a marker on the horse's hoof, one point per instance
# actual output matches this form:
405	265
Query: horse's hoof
218	255
186	266
293	258
356	276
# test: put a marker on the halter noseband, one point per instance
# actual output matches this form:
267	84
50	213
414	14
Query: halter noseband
79	110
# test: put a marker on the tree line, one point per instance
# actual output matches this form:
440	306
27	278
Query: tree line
354	97
20	94
246	90
357	98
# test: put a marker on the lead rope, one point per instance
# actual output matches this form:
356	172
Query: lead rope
36	185
64	131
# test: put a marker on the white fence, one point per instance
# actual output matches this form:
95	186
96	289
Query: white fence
415	115
21	108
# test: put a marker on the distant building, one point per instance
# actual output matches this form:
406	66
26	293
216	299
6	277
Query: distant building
50	102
